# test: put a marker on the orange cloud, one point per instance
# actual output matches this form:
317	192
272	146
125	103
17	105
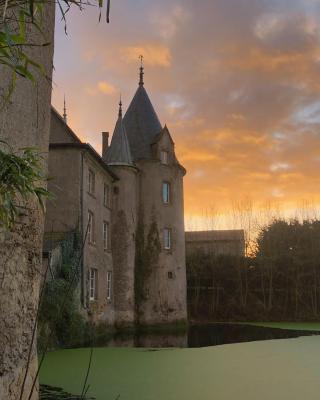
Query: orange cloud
101	87
154	54
106	88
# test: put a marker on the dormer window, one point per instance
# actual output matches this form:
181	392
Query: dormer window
164	157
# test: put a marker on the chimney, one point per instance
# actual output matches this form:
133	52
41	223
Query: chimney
105	143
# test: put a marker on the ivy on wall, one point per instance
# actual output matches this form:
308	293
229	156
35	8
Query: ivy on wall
62	324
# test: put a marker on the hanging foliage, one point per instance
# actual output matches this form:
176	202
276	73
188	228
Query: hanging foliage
16	19
21	177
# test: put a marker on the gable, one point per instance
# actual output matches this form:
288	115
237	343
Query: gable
163	139
163	142
60	131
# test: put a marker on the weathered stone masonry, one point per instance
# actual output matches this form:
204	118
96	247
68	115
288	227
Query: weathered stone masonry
146	198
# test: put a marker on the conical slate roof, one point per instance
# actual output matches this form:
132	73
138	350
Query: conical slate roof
119	151
142	124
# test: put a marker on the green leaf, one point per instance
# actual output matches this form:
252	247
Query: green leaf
23	71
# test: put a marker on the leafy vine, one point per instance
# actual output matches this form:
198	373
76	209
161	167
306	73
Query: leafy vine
21	177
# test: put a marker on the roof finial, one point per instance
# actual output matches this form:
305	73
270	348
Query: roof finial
141	70
120	108
64	109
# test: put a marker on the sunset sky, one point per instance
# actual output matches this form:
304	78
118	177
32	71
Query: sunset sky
236	81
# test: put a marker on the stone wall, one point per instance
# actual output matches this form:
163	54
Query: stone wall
24	121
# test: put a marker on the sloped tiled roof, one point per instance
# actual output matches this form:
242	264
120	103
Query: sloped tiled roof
70	135
119	151
71	140
142	124
216	235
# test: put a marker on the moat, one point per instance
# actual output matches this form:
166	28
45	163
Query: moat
205	335
236	353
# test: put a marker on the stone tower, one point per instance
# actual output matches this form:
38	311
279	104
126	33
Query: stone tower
124	220
150	201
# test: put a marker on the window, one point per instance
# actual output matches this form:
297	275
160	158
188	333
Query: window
166	192
109	285
93	284
170	275
91	182
106	195
164	157
106	236
90	232
167	238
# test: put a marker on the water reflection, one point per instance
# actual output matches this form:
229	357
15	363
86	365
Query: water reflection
155	340
222	333
205	335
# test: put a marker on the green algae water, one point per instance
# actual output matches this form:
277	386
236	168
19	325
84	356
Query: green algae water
273	369
221	371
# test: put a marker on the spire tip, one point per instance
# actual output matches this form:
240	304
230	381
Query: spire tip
141	83
64	109
120	107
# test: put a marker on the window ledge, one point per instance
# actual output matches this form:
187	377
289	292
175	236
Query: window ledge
91	195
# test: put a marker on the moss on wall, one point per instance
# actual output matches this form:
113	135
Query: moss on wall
147	258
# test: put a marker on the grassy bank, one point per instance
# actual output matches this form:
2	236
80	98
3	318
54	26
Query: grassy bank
297	326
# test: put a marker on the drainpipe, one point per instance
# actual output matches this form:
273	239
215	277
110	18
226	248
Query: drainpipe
82	272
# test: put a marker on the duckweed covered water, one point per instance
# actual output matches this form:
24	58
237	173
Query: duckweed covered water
276	369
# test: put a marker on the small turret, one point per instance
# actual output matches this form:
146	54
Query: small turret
119	151
118	157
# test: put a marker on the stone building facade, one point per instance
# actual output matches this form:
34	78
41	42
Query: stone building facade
128	208
216	242
82	184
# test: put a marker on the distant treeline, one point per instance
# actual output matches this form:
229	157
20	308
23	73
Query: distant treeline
281	281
